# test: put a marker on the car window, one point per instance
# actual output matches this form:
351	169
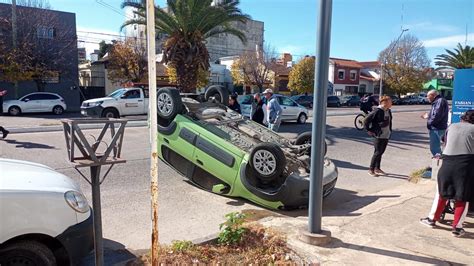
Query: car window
132	94
49	97
147	93
247	99
32	97
117	93
309	98
286	101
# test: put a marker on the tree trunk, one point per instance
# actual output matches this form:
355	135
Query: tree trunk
187	76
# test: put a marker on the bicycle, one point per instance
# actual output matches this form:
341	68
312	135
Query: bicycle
359	121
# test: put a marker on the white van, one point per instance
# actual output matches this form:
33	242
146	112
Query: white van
45	218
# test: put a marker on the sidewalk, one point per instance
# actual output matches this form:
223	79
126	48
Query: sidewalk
385	232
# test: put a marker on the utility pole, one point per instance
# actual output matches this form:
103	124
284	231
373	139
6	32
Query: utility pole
388	54
319	116
152	114
14	38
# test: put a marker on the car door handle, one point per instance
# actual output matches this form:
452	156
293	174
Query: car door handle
140	100
199	162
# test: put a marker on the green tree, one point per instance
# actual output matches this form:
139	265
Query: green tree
187	24
104	48
301	78
406	65
461	57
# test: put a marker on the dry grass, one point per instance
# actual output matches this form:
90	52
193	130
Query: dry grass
260	246
416	175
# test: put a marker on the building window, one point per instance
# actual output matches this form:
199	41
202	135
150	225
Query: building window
44	32
353	74
341	74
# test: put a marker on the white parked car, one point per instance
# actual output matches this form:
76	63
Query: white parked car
125	101
36	102
45	218
291	111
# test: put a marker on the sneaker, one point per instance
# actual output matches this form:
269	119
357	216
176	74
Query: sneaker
5	134
428	222
372	173
379	172
458	232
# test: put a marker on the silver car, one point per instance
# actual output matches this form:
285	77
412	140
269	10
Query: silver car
291	111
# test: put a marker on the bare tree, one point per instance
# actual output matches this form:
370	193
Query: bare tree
44	4
254	68
407	65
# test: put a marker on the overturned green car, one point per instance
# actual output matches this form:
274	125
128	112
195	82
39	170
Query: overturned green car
222	152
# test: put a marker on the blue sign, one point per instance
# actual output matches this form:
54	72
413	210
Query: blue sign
463	99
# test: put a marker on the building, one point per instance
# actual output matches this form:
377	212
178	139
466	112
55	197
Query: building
345	76
52	37
81	54
369	78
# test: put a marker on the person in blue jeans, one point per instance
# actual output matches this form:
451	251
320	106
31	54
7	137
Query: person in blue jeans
437	120
273	110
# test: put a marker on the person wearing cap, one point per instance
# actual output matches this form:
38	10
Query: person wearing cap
456	175
273	110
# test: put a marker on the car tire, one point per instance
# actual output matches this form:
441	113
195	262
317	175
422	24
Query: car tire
27	253
58	110
305	138
219	93
302	118
169	103
338	105
110	113
268	161
14	111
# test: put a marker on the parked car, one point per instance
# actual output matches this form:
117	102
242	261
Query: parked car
409	100
220	151
333	101
395	99
422	98
351	100
45	218
291	111
304	100
124	101
36	102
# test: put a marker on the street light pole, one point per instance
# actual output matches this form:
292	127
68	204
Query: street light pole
319	116
381	63
152	114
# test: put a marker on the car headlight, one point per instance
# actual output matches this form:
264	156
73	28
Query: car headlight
94	104
77	201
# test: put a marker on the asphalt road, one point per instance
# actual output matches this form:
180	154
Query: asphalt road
187	212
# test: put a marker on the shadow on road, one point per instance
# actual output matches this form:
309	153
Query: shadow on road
115	253
337	243
348	165
28	145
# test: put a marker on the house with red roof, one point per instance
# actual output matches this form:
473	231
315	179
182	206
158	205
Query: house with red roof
345	75
369	77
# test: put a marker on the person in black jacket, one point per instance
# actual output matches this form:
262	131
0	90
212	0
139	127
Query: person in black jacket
437	120
379	125
234	104
258	115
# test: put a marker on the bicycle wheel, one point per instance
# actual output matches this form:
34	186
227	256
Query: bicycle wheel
359	121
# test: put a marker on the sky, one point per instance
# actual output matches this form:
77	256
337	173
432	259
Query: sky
360	28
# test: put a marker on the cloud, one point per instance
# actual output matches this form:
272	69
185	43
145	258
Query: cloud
449	41
432	27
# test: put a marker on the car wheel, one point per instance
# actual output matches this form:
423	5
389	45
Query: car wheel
27	253
14	110
305	138
110	113
218	93
58	110
268	161
169	103
302	118
338	104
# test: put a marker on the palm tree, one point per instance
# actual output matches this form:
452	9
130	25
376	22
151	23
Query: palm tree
187	24
461	57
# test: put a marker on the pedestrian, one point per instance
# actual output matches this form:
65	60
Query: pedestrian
273	110
2	94
367	103
379	125
456	175
2	129
437	120
257	112
234	104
